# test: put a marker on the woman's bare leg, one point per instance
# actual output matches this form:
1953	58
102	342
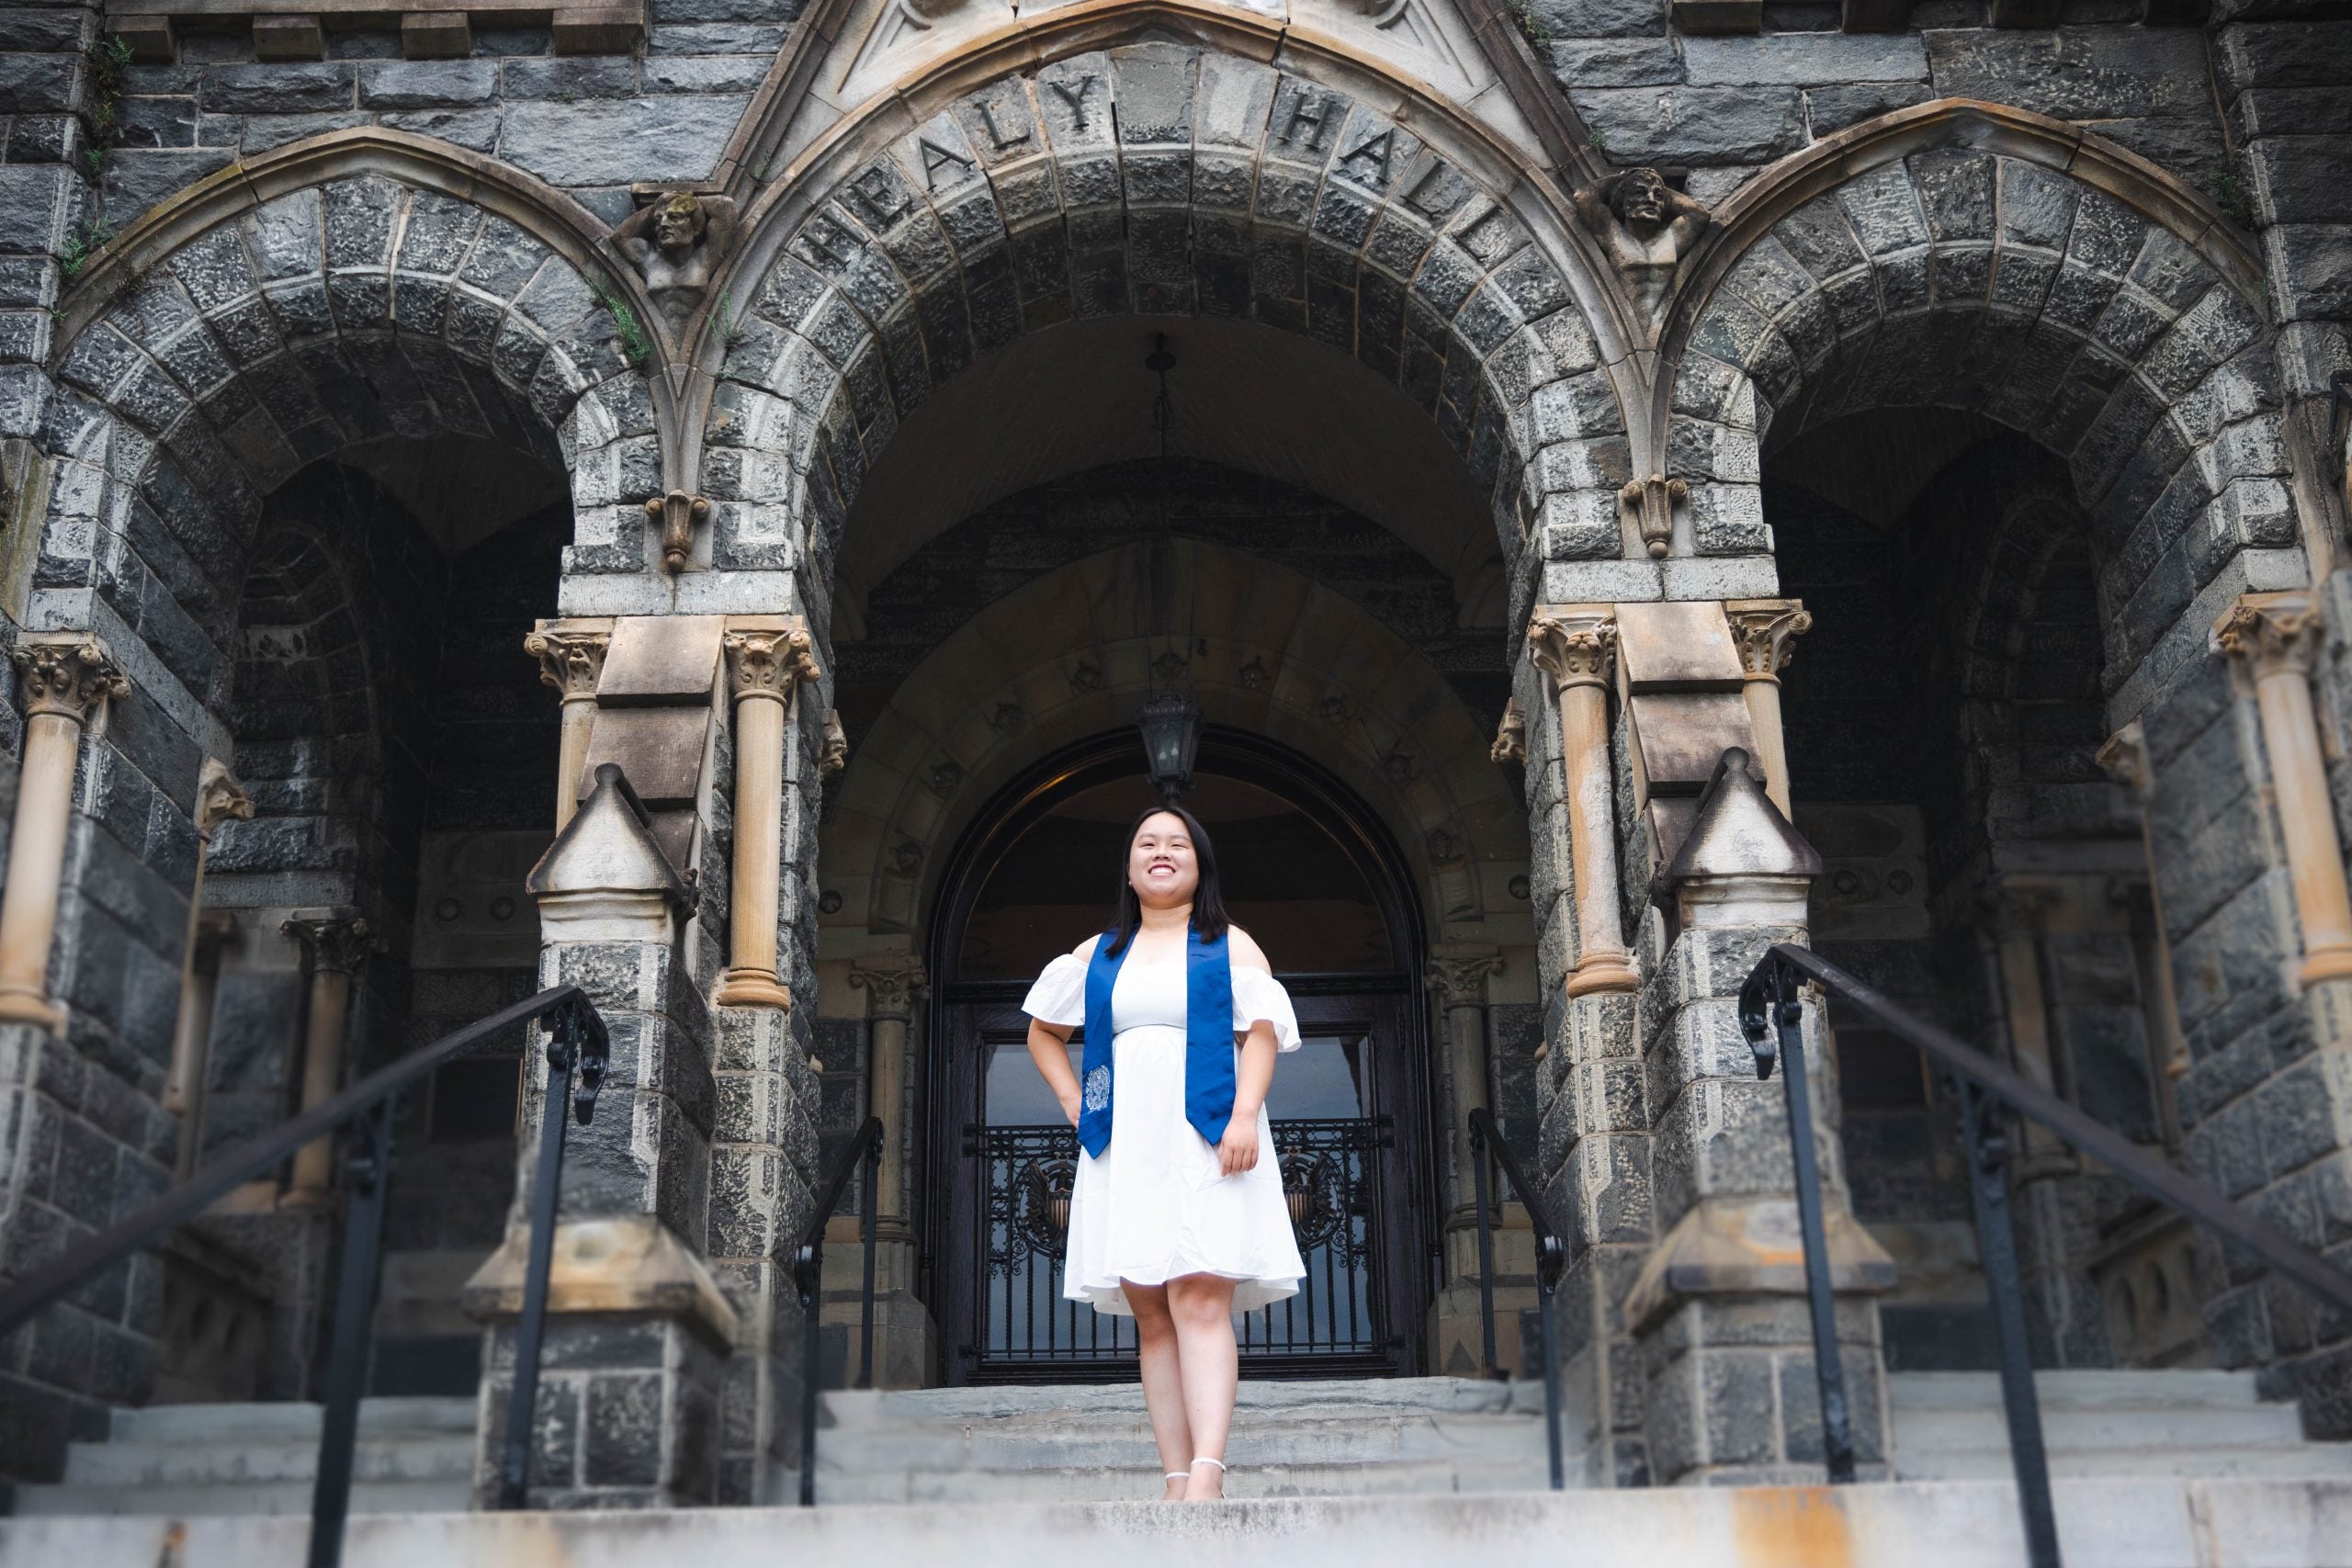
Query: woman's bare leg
1202	1307
1163	1385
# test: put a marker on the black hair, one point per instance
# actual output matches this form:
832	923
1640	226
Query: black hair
1208	900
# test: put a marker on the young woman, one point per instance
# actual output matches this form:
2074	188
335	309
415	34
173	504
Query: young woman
1178	1218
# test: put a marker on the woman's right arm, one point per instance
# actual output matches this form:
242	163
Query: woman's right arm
1049	1048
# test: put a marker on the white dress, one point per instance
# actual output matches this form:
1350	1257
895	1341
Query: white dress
1155	1206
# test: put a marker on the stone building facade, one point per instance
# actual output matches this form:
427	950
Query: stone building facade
843	418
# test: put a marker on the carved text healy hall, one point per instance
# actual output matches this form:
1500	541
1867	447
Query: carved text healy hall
690	501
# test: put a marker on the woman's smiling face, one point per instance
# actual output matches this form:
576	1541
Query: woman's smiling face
1160	862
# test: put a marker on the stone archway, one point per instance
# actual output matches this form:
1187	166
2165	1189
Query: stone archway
1985	259
1160	179
1073	654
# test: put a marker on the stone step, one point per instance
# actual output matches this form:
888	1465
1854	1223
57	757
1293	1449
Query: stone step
1096	1484
2127	1388
2142	1523
2197	1463
1000	1402
244	1460
1040	1443
261	1497
288	1420
2071	1428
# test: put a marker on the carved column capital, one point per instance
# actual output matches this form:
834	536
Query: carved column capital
334	943
1575	651
892	989
67	679
2273	633
219	798
1511	736
771	664
1765	631
835	755
2016	910
1461	982
2124	759
572	662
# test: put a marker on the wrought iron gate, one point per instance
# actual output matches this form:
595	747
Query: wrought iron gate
1331	1175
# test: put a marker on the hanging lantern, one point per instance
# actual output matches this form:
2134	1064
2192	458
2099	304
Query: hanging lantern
1171	731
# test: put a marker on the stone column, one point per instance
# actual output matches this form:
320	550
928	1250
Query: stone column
1719	1307
639	1330
65	686
1457	978
1574	646
1765	630
2014	915
1458	981
219	798
903	1331
2275	638
764	668
571	661
335	944
2124	759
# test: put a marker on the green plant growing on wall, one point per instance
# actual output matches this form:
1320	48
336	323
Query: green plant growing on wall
635	346
108	60
1532	25
722	319
88	238
2229	195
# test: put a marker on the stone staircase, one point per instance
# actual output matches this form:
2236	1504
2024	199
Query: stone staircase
415	1456
1412	1436
2213	1424
1419	1437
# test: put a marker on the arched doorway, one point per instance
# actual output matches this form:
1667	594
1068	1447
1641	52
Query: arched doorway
1311	874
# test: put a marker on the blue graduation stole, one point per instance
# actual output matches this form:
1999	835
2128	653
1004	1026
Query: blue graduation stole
1209	1085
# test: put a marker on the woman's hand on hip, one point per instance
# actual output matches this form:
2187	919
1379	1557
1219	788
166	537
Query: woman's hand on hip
1238	1151
1069	1106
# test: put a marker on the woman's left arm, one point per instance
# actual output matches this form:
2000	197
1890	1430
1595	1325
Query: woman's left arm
1254	1076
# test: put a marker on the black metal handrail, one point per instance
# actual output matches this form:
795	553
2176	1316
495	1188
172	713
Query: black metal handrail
577	1055
1550	1262
807	1274
1771	1005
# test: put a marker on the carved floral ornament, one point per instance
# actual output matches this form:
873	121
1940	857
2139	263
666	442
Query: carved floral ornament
67	680
1511	735
676	515
834	757
772	665
1650	504
220	797
334	943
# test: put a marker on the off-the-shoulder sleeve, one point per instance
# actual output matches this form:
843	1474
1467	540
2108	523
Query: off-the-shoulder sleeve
1060	995
1258	995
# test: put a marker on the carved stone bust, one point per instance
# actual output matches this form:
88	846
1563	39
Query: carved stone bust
676	242
1647	226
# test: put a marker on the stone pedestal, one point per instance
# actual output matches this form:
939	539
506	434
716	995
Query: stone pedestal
638	1331
1719	1308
